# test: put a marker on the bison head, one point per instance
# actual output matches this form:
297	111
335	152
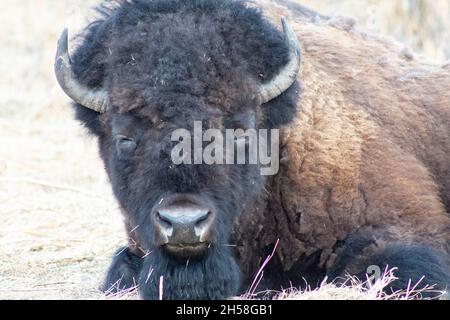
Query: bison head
150	68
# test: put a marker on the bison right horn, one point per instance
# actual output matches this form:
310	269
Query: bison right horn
93	99
287	76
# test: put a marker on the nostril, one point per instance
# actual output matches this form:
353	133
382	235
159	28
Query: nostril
204	220
164	222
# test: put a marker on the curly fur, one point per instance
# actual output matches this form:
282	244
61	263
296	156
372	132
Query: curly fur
365	142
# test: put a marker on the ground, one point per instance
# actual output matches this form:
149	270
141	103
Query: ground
59	224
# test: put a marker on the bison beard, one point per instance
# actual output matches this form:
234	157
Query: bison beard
215	276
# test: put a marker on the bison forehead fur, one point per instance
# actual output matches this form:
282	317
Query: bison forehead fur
365	168
158	53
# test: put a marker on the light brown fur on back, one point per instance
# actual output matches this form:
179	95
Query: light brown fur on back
369	150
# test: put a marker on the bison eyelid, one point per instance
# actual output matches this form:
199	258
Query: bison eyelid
125	146
122	138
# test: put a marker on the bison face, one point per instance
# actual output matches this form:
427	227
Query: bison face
215	71
187	208
182	215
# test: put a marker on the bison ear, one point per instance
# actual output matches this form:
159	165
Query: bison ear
90	119
282	110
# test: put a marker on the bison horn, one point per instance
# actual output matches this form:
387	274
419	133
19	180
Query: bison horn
93	99
287	76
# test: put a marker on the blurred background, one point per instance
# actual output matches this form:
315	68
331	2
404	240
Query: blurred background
59	224
424	25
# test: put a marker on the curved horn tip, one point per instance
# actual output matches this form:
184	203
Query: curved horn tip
63	41
287	30
62	55
290	35
62	51
284	23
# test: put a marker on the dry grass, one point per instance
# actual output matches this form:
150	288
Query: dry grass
355	289
59	223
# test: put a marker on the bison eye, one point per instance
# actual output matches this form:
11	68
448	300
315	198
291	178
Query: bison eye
125	147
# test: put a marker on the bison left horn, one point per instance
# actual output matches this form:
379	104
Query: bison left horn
287	75
93	99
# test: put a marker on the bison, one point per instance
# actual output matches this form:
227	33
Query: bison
364	126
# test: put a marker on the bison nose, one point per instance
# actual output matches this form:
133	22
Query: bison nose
184	229
185	224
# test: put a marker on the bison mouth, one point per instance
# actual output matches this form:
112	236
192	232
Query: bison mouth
187	251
